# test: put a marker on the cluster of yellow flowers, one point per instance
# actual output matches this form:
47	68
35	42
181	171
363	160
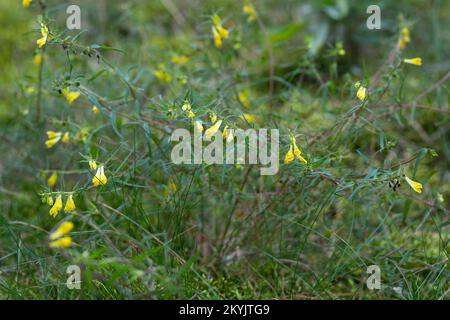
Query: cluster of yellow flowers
59	238
99	177
187	108
45	35
293	152
57	204
161	74
219	32
250	11
404	39
54	137
179	59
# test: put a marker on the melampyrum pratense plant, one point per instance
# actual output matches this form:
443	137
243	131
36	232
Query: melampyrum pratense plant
108	182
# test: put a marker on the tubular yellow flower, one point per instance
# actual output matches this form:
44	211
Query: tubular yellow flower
53	138
49	200
44	32
213	129
217	38
65	138
92	165
53	134
57	206
179	59
26	3
37	60
250	11
361	93
414	61
63	229
70	204
99	177
52	180
298	153
70	96
289	155
64	242
95	110
416	186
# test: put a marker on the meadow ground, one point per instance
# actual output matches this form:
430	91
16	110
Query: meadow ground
87	178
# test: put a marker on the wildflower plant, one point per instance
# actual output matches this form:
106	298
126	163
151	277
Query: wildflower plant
363	129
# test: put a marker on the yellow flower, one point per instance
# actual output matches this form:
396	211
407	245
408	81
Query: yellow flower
66	138
243	98
361	93
250	11
414	61
162	75
248	117
416	186
216	20
49	200
53	138
57	206
52	180
227	136
70	96
99	177
53	134
63	229
95	110
212	116
213	129
404	38
92	165
70	204
26	3
217	38
219	32
180	59
186	107
64	242
293	152
44	32
172	186
37	60
224	33
198	127
289	155
341	52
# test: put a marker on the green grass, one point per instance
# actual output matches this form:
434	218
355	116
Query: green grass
309	232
